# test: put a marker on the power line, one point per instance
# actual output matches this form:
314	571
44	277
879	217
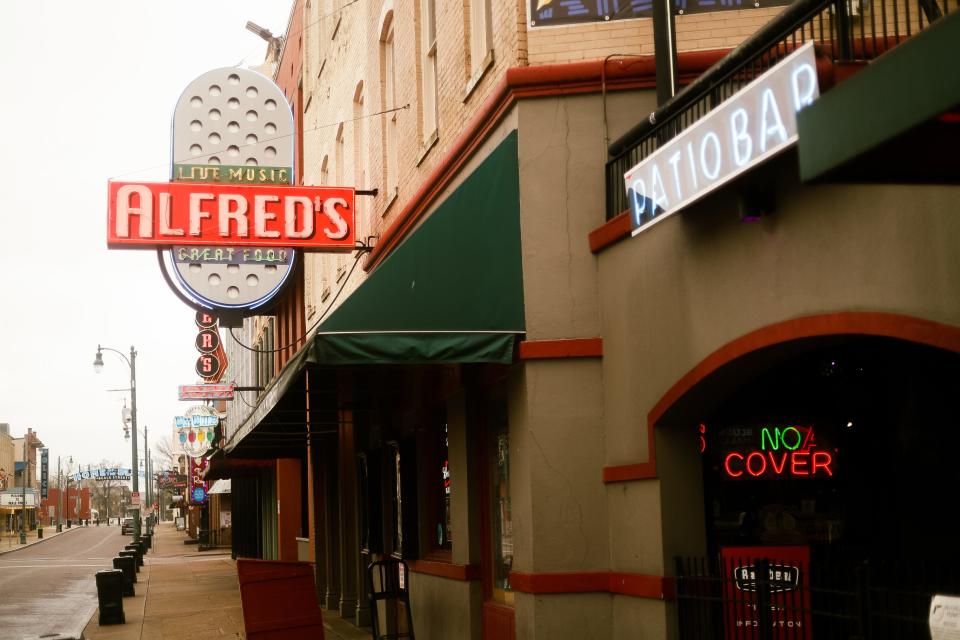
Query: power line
320	319
280	137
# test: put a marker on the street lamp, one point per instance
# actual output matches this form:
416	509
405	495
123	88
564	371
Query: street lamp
132	363
60	480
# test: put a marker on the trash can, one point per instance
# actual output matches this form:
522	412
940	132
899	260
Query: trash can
129	553
137	549
39	532
128	565
110	596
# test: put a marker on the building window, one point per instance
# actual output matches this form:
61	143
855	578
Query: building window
480	35
395	495
359	150
502	520
338	159
429	36
440	490
389	102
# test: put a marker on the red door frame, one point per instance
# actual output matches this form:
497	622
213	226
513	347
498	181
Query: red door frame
497	620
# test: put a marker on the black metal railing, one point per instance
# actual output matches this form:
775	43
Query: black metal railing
845	31
770	599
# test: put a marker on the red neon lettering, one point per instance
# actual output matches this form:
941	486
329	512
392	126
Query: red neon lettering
206	364
207	341
756	455
797	462
726	465
773	462
809	441
825	464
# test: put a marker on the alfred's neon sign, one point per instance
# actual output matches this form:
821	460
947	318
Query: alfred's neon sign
784	452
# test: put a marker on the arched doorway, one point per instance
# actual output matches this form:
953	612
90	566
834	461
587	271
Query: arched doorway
828	453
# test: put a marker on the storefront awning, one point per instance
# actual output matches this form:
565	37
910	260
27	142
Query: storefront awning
892	121
452	292
220	486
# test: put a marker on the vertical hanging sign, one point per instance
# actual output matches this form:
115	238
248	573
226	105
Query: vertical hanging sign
44	472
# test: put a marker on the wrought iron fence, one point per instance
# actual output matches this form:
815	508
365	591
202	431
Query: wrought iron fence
845	31
748	598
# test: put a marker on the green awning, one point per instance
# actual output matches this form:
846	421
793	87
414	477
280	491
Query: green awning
451	292
882	123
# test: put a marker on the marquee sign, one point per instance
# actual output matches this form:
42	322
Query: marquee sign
213	391
196	430
229	224
151	214
748	128
113	473
198	486
548	13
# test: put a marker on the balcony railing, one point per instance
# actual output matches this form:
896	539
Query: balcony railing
845	31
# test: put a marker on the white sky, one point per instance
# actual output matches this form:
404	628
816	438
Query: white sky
88	94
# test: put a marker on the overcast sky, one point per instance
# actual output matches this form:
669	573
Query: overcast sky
88	93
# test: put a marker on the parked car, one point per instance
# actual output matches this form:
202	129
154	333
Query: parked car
126	525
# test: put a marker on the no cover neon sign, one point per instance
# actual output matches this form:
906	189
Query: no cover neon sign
788	452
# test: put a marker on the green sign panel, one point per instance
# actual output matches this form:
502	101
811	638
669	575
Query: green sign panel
231	174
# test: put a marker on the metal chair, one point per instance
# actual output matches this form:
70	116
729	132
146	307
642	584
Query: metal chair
390	611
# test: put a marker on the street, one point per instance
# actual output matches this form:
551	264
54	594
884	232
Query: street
48	589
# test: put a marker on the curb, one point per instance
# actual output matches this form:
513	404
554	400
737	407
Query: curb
37	541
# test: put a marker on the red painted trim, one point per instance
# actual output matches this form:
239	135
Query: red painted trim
573	582
529	82
611	232
623	472
463	572
864	323
629	584
572	348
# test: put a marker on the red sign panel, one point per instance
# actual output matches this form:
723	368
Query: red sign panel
206	392
767	586
151	214
198	486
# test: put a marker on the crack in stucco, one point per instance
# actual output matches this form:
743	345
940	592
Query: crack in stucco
546	460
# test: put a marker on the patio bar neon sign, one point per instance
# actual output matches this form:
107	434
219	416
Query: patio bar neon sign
788	452
748	128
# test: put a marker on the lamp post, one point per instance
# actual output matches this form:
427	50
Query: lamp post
132	363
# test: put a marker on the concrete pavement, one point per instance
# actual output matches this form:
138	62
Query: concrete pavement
183	593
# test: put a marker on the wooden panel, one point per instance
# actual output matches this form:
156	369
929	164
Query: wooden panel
498	622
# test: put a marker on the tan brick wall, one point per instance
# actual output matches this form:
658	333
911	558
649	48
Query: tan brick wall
550	45
341	49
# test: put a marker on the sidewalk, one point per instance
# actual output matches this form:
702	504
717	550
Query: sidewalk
11	541
183	593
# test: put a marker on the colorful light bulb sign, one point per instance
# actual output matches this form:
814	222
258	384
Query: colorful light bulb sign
196	430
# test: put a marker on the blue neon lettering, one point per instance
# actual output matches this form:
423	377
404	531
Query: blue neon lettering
710	137
657	193
804	98
769	108
739	136
673	161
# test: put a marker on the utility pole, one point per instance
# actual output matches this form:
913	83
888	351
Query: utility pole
23	505
59	496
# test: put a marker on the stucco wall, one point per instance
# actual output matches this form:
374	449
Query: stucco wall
444	608
700	279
